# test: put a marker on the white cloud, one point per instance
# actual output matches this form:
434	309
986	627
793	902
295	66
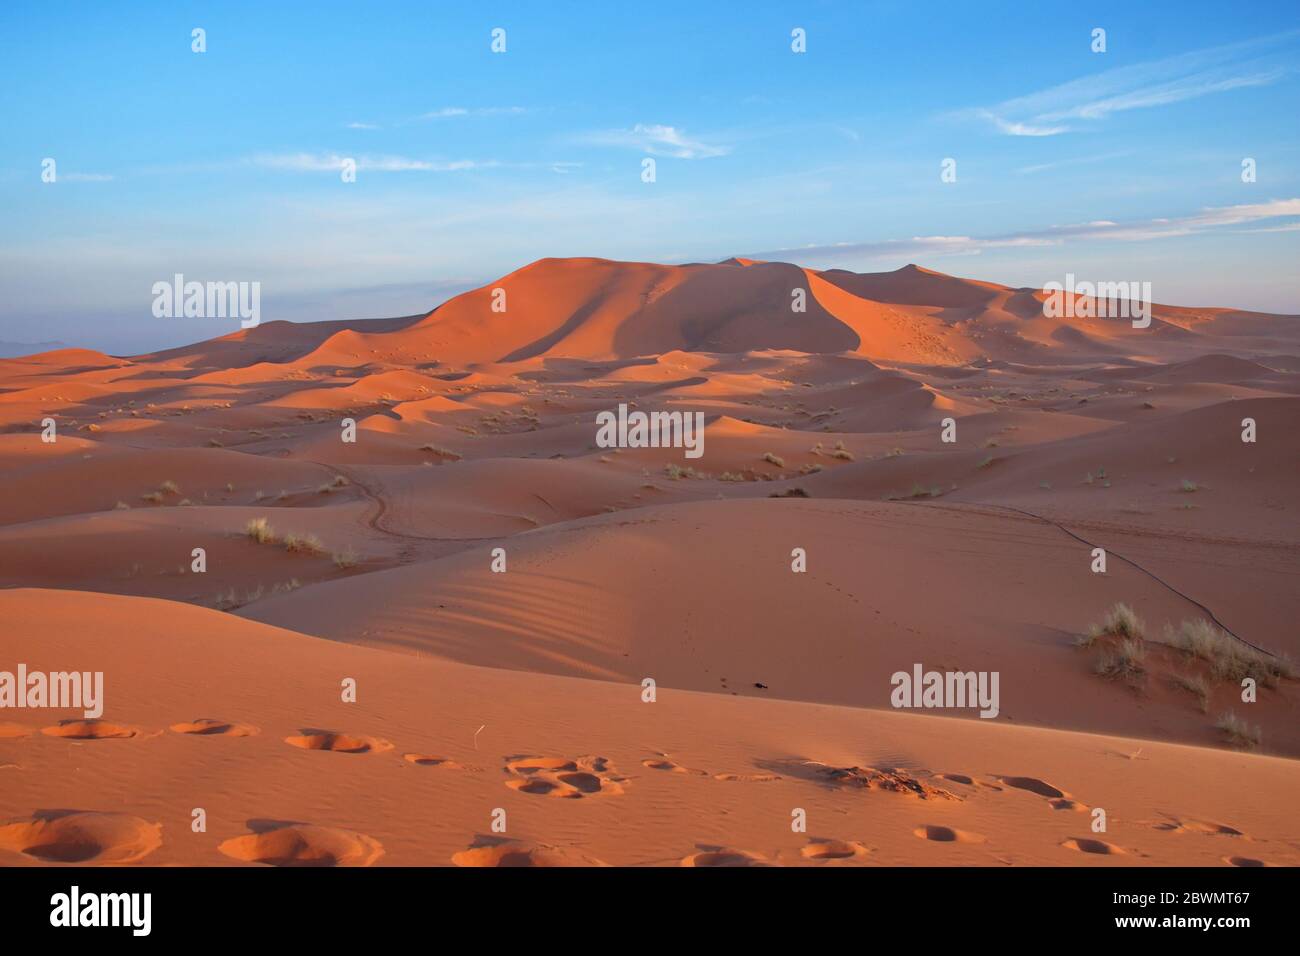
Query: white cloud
657	140
363	126
1012	128
451	112
1059	109
1097	230
333	162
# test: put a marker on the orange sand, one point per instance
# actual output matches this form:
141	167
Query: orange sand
521	692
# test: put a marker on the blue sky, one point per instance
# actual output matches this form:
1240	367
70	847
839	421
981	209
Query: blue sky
224	165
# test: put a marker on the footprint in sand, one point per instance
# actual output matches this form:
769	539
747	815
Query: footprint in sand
1065	803
90	730
1244	861
1099	847
725	856
940	834
567	778
1199	826
824	851
1034	785
518	853
442	763
302	844
312	739
663	763
82	836
967	780
210	727
1057	798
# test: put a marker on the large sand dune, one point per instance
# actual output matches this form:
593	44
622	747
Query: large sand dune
475	443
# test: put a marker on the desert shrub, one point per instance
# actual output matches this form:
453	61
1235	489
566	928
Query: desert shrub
1239	732
303	544
259	530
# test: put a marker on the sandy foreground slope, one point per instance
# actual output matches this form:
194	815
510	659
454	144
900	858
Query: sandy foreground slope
584	770
475	437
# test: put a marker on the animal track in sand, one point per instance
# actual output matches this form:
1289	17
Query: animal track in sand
829	850
82	836
312	739
1100	847
725	856
563	777
518	853
90	730
940	834
302	844
210	727
442	763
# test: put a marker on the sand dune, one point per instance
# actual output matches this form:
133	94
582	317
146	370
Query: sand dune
357	487
877	787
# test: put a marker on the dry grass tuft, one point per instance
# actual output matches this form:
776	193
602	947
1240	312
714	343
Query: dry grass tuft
259	530
1198	685
1239	732
303	544
1120	621
1126	662
1229	659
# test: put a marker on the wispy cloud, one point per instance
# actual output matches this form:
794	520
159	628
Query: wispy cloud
1063	108
1102	230
452	112
657	140
1072	161
1017	128
333	162
363	126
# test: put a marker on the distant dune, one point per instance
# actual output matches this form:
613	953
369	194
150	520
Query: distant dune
15	349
